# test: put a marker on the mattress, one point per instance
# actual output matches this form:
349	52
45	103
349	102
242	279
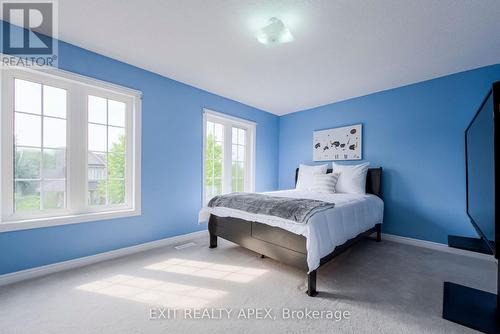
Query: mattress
353	214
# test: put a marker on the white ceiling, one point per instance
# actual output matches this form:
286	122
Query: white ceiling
342	48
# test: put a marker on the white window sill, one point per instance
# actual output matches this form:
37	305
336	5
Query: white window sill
8	226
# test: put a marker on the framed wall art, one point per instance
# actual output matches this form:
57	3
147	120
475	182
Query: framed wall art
342	143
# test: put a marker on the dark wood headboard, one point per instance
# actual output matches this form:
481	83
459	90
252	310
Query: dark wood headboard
373	180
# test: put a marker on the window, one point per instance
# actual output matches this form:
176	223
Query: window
229	148
39	146
106	156
70	149
238	159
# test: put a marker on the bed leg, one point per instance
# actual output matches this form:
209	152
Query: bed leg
213	241
379	232
311	284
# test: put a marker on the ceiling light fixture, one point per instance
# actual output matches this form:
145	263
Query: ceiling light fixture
275	33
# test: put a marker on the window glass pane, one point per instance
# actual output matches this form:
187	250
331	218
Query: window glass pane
210	129
209	172
234	170
54	132
241	153
54	101
116	113
241	184
214	156
97	109
116	191
116	166
214	167
213	187
238	176
54	164
217	186
241	170
27	96
116	139
238	185
97	192
238	158
210	168
219	132
234	152
27	195
208	195
106	170
28	130
53	194
97	166
241	136
97	137
27	165
234	135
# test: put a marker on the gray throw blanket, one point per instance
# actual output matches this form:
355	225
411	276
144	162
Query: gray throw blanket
298	210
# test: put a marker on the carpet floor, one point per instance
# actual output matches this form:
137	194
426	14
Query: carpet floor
372	288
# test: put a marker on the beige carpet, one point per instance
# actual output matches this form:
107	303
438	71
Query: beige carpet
386	288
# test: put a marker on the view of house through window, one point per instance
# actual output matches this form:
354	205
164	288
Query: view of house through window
106	156
40	146
228	160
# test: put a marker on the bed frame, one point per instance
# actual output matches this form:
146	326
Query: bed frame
282	245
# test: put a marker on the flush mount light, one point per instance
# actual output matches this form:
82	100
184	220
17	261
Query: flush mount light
275	33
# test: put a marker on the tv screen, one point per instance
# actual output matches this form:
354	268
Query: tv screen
480	153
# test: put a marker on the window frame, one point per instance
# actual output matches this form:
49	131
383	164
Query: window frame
77	209
229	122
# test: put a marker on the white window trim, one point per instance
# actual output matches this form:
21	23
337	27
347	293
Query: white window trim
9	222
228	121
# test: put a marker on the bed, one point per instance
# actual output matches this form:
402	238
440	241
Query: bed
307	247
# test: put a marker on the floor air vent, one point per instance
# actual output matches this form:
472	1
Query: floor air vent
183	246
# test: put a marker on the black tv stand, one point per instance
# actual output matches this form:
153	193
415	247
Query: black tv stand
467	306
471	244
470	307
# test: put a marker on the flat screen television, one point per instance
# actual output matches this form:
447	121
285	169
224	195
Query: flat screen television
482	144
465	305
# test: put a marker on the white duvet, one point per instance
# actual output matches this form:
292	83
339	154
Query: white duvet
352	215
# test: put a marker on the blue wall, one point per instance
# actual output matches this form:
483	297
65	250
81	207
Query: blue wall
171	173
416	133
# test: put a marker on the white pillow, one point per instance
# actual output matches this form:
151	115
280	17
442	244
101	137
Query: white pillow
306	176
352	179
325	183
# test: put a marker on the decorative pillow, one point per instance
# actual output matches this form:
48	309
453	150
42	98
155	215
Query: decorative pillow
306	176
325	183
352	179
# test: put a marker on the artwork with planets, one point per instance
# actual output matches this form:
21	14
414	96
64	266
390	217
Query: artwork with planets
337	144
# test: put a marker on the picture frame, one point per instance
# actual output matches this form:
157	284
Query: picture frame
342	143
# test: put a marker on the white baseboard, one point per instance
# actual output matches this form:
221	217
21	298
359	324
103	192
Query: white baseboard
84	261
436	246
